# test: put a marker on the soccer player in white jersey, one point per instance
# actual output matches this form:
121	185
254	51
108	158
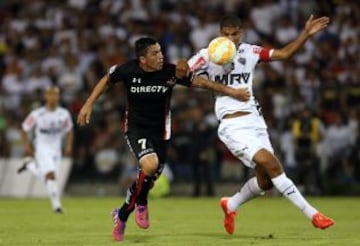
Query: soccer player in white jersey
49	125
242	127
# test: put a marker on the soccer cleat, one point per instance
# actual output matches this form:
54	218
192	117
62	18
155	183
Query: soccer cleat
26	161
321	221
142	216
119	226
58	211
229	220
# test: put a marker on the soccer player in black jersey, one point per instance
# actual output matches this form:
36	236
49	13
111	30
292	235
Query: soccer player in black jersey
149	83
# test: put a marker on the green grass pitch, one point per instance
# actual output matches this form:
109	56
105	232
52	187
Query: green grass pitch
177	221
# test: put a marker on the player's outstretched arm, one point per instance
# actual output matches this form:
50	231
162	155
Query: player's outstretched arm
312	26
240	94
85	112
183	71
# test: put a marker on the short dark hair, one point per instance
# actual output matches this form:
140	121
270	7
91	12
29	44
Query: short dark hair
230	21
142	44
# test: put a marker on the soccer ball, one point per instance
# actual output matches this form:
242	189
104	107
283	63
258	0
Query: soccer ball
221	50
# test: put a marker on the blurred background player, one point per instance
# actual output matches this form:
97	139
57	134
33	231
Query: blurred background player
148	82
48	124
242	127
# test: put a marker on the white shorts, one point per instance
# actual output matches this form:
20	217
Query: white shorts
244	136
47	160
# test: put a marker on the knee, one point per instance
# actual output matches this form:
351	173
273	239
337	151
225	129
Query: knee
274	169
149	164
50	176
269	163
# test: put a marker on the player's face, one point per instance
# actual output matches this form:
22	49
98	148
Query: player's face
52	96
232	33
153	59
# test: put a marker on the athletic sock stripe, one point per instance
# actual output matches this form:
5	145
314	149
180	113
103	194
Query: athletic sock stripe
288	187
137	190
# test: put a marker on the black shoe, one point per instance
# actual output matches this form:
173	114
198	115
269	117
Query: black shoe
23	168
58	211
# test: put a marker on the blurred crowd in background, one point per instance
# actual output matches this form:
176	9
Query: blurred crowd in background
311	102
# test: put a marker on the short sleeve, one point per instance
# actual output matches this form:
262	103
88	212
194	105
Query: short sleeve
29	122
116	74
262	54
199	62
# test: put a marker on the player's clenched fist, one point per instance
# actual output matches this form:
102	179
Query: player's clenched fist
243	94
84	115
182	69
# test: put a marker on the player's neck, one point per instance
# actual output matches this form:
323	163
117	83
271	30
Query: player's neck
50	107
146	68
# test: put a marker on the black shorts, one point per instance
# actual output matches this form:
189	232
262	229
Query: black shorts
141	144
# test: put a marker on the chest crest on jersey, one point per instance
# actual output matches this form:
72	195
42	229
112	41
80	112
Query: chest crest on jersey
242	61
136	80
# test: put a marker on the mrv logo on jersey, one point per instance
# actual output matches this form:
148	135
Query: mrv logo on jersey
50	130
149	89
229	79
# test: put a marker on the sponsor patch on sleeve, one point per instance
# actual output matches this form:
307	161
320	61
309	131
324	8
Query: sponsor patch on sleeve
198	63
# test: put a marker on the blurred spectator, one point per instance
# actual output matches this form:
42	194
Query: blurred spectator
339	143
13	137
287	150
12	84
285	31
307	132
4	150
37	81
71	79
201	157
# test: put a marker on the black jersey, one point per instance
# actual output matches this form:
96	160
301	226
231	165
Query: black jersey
148	96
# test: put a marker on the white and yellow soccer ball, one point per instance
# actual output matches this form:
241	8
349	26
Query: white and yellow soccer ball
221	50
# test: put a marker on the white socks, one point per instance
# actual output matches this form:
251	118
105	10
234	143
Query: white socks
53	191
285	186
250	190
282	183
51	185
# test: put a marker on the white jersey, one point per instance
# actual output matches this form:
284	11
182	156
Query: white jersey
49	127
238	74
